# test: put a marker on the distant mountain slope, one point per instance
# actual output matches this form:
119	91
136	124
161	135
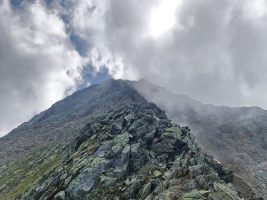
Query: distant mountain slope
237	136
108	142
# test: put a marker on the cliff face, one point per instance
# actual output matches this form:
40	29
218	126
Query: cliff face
108	142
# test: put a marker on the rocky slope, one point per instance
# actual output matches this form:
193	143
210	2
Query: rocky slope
108	142
237	137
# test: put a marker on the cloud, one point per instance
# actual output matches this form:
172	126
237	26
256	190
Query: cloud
38	64
214	51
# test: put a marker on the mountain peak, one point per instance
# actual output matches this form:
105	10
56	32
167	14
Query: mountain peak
108	142
126	149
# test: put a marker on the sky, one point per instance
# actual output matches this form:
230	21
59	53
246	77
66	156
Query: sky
214	51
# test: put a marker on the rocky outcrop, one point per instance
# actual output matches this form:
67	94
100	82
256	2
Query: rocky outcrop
132	153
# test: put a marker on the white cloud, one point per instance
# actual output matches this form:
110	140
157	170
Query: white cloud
255	9
214	51
37	62
163	17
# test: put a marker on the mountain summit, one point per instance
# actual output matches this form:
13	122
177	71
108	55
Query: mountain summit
108	142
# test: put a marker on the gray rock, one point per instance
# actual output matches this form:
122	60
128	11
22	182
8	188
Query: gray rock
60	196
196	170
87	179
119	142
146	190
121	161
165	146
103	150
137	156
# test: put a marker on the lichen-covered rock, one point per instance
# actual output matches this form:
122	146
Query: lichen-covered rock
223	191
60	196
138	156
196	170
173	133
87	178
146	190
195	194
119	142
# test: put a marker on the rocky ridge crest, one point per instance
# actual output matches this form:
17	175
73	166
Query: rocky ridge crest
127	150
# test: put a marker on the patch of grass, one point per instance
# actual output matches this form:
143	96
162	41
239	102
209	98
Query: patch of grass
32	177
12	175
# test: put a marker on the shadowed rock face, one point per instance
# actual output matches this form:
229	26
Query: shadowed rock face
122	147
237	137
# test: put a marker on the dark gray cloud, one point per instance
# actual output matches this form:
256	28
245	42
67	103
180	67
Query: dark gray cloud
214	51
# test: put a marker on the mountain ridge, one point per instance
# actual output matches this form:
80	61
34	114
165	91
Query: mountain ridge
67	118
126	148
237	136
